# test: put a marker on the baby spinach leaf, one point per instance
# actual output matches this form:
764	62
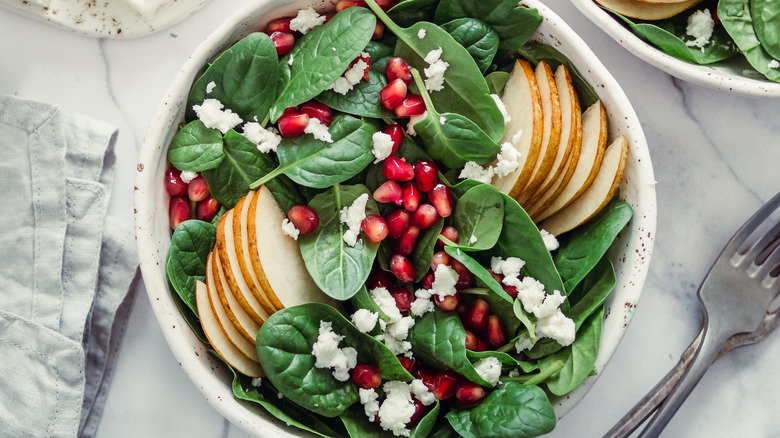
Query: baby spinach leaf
337	268
497	81
362	300
191	243
358	425
479	39
445	431
522	315
378	51
478	217
766	16
460	421
578	358
244	78
590	294
192	319
363	100
536	53
314	163
505	359
514	24
424	427
284	346
408	12
320	57
424	249
196	148
285	191
738	22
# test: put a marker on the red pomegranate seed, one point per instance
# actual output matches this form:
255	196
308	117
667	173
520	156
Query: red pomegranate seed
329	15
441	198
380	278
198	189
283	41
344	4
304	218
174	184
375	227
393	94
390	191
481	345
379	31
427	376
367	376
425	216
402	268
397	68
319	111
398	221
448	303
292	124
461	309
471	341
510	290
410	196
469	392
465	277
178	211
396	133
440	258
427	280
476	317
426	175
397	169
449	232
386	4
279	25
412	105
496	332
405	245
408	363
403	298
419	412
444	384
207	209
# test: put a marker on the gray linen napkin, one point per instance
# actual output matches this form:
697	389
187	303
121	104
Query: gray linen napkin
67	269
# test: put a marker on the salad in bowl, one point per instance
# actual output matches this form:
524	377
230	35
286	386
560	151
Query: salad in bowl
394	219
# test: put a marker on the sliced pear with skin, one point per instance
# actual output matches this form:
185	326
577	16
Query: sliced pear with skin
594	143
598	194
548	165
235	312
524	105
647	10
571	141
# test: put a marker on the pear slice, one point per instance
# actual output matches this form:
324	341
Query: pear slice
217	337
594	142
571	141
548	165
235	312
524	106
597	195
646	10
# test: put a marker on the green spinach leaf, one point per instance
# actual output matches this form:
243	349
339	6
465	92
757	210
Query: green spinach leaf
424	249
478	217
578	358
408	12
192	319
191	243
196	148
363	100
590	294
766	19
738	22
479	39
497	81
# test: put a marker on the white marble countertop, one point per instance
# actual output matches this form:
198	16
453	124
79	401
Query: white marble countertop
715	157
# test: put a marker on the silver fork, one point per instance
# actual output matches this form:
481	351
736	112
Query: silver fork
735	296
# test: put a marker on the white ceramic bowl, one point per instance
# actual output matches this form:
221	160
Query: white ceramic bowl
726	75
630	254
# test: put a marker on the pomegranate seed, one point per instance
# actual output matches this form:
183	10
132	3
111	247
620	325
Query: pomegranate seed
375	227
510	290
461	309
449	232
379	31
304	218
292	110
412	105
427	280
329	15
481	345
410	196
397	169
397	68
496	332
440	258
198	189
469	393
283	41
405	245
174	184
393	94
279	25
396	133
178	211
477	316
407	362
419	413
319	111
425	216
365	59
380	278
448	303
471	341
386	4
367	376
207	209
390	191
441	198
344	4
402	268
403	298
426	175
444	384
465	277
398	222
427	376
292	123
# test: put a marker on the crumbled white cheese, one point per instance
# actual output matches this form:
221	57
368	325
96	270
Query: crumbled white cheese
523	343
518	135
397	409
444	281
421	392
291	59
187	176
210	87
549	240
489	369
473	239
395	332
442	120
400	329
318	130
365	320
386	303
506	160
327	353
514	373
279	395
257	381
510	267
501	107
352	216
476	172
557	327
383	145
212	115
369	399
773	64
550	304
421	33
530	292
306	20
289	229
267	140
413	120
700	27
333	49
421	306
434	73
351	77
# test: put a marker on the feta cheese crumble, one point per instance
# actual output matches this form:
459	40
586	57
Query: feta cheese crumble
510	267
773	64
267	140
395	332
291	59
397	409
518	135
383	145
474	171
365	320
421	33
289	229
444	280
434	73
306	20
442	120
421	392
557	327
413	121
369	400
212	115
351	77
318	130
523	343
549	240
352	216
257	381
187	176
327	353
489	369
473	239
210	87
501	107
506	161
700	27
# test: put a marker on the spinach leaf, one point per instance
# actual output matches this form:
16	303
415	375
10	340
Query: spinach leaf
284	345
514	24
738	22
196	148
363	100
479	39
424	427
358	425
497	81
191	243
337	268
536	53
192	319
591	293
478	216
408	12
578	358
582	249
766	16
513	410
439	340
320	57
445	431
424	249
244	78
379	53
525	318
505	359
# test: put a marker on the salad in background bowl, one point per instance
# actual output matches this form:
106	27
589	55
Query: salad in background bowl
293	268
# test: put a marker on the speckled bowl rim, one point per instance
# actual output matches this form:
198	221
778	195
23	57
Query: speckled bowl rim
631	253
718	76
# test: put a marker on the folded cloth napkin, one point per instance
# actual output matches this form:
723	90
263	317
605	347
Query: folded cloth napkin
66	272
